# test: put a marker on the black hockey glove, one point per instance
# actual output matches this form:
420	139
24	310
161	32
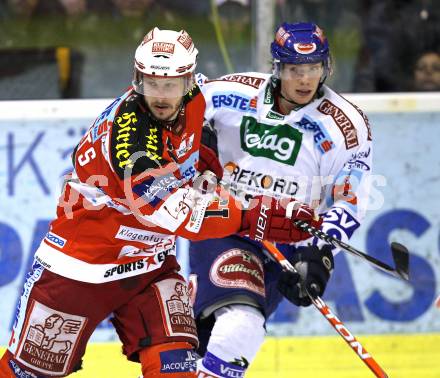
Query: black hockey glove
314	267
208	153
209	136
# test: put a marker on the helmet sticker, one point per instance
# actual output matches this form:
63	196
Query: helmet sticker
165	53
139	65
185	40
319	33
300	43
281	36
148	37
163	47
184	68
304	48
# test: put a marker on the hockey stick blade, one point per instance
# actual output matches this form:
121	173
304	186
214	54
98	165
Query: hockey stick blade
399	252
401	259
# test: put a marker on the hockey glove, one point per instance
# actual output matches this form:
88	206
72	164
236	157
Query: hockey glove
314	267
272	220
208	161
208	153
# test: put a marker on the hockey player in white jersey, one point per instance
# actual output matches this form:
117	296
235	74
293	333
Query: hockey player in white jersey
284	135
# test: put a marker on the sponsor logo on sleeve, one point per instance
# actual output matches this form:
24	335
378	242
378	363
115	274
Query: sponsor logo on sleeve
321	137
155	189
342	121
357	161
345	189
339	220
200	79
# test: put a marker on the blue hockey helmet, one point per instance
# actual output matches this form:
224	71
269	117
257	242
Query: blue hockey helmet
300	43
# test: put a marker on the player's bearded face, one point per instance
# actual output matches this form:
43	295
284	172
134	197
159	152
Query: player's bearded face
163	96
299	82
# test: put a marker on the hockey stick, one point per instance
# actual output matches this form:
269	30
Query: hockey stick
332	318
437	302
399	252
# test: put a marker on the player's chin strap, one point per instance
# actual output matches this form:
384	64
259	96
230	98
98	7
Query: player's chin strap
286	99
332	319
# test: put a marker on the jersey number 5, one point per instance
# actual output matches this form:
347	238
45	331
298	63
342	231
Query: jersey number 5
86	157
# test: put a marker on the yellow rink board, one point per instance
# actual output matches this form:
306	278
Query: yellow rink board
401	356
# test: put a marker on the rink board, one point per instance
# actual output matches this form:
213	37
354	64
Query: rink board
401	356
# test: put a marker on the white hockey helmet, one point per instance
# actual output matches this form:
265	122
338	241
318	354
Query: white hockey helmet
164	64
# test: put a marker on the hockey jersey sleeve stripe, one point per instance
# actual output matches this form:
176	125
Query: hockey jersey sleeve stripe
76	269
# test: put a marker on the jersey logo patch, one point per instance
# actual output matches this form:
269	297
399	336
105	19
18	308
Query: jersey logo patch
320	136
338	221
55	240
49	339
234	100
176	307
342	121
124	127
179	360
244	183
345	189
254	82
237	269
276	142
155	189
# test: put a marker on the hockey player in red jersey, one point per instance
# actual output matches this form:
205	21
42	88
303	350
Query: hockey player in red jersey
111	248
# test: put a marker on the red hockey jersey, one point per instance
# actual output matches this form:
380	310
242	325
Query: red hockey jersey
130	194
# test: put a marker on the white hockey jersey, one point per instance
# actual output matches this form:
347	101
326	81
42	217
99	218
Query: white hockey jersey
320	153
